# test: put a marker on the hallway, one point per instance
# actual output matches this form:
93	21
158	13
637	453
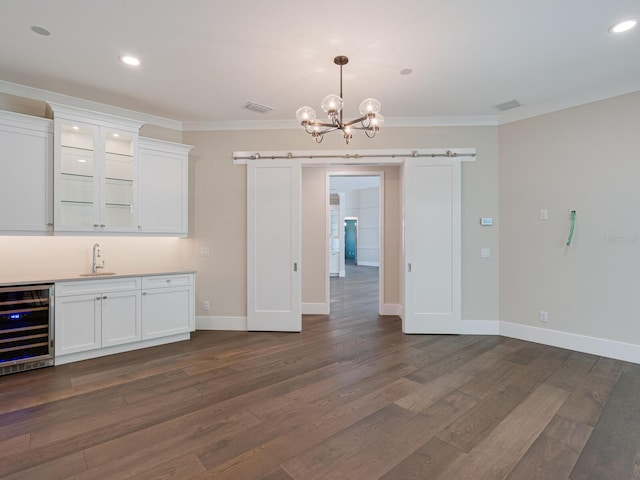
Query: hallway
355	294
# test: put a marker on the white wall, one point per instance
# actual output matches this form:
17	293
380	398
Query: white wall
46	257
364	204
218	208
585	159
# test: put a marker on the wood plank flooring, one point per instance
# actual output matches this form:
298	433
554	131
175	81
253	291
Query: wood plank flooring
350	397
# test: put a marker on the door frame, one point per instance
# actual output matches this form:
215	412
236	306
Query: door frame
369	158
381	228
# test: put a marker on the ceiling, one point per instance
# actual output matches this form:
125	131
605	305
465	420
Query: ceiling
202	60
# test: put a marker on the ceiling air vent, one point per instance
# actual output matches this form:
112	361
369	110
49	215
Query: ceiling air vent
256	107
508	105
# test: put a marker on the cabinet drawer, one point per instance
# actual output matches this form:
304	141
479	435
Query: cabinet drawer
97	286
163	281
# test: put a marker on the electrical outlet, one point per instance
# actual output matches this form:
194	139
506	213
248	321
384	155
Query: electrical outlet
544	316
205	252
206	305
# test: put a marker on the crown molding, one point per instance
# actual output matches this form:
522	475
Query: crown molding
47	96
520	113
576	100
390	122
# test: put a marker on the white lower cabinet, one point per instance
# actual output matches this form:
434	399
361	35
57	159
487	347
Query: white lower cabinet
121	318
167	305
104	316
91	314
77	323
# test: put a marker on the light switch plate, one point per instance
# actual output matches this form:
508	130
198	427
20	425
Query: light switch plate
486	221
485	253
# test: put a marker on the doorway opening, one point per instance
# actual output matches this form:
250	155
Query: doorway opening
355	231
351	240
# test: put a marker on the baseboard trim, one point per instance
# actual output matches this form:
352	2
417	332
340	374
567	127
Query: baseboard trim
126	347
315	309
571	341
221	323
391	309
480	327
581	343
368	264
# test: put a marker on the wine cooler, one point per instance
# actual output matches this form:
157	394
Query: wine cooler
26	324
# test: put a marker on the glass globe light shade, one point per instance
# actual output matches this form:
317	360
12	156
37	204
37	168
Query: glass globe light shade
305	113
377	121
331	103
370	105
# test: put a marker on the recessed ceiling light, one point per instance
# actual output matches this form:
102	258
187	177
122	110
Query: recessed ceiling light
406	71
40	31
623	26
130	60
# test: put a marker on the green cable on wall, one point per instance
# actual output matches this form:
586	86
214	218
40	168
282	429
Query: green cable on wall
573	225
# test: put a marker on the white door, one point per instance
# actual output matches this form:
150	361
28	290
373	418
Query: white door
432	299
274	300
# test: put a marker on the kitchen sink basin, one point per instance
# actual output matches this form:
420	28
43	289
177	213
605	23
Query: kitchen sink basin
97	274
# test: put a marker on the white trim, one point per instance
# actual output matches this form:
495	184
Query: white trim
127	347
575	100
480	327
391	309
48	96
369	264
221	323
315	309
38	124
572	341
381	227
389	122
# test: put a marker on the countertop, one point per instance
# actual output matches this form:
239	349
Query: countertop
36	280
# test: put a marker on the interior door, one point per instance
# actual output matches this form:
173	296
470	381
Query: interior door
274	299
350	239
432	302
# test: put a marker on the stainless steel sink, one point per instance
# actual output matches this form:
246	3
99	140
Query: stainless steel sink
97	274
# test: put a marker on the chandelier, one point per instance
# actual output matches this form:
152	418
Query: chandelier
370	121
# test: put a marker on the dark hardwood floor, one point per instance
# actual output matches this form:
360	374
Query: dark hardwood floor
350	397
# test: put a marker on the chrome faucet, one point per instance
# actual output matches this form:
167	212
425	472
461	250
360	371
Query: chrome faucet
96	256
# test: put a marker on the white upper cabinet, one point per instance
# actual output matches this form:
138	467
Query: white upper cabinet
25	173
164	183
95	172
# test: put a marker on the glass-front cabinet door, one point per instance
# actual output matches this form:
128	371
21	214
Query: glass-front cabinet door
96	172
76	191
120	175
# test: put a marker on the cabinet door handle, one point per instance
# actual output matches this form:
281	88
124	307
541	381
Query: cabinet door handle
102	226
98	298
144	293
168	280
104	298
95	225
